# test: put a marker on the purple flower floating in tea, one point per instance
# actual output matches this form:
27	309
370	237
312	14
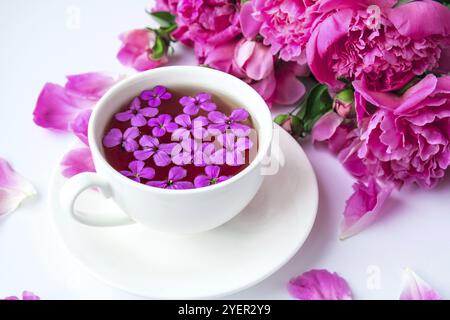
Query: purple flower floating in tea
152	148
192	151
162	124
138	171
173	180
127	140
137	114
190	127
192	105
232	149
154	96
175	144
211	176
222	122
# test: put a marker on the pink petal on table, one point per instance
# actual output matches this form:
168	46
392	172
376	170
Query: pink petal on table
14	188
77	161
26	295
326	126
415	288
363	206
319	285
59	107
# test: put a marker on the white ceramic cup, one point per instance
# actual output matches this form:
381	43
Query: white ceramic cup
177	211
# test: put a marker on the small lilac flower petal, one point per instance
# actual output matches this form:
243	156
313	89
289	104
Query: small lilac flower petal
164	119
364	206
154	102
146	94
77	161
181	134
319	285
161	159
167	147
149	112
217	117
136	166
208	106
240	129
158	132
212	171
177	173
171	127
148	141
201	181
203	97
112	138
157	184
191	109
138	120
159	90
14	188
147	173
223	178
135	104
126	173
143	154
187	101
239	115
183	120
179	185
153	122
130	145
124	116
131	133
415	288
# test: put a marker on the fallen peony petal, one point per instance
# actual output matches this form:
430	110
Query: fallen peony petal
77	161
14	188
26	295
68	108
415	288
363	206
319	285
326	126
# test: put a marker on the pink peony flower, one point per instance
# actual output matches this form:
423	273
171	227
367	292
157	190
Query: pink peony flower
319	285
68	108
252	62
407	140
346	43
14	188
285	26
166	5
206	23
136	50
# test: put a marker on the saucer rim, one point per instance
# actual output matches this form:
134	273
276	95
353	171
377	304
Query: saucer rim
54	205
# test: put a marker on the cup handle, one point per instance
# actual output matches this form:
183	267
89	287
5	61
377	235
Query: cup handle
76	185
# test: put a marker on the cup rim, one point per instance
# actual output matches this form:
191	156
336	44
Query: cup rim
264	114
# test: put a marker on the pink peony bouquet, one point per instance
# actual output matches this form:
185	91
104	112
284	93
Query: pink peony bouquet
367	77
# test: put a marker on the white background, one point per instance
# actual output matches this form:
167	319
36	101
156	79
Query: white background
39	43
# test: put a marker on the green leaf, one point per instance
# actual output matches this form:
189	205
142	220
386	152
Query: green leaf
159	49
164	18
318	103
297	126
280	119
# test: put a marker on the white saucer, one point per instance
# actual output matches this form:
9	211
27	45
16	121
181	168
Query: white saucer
237	255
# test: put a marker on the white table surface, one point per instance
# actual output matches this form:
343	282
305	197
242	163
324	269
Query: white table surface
40	42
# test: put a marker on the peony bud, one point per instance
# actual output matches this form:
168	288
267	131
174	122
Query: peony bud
344	103
292	124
